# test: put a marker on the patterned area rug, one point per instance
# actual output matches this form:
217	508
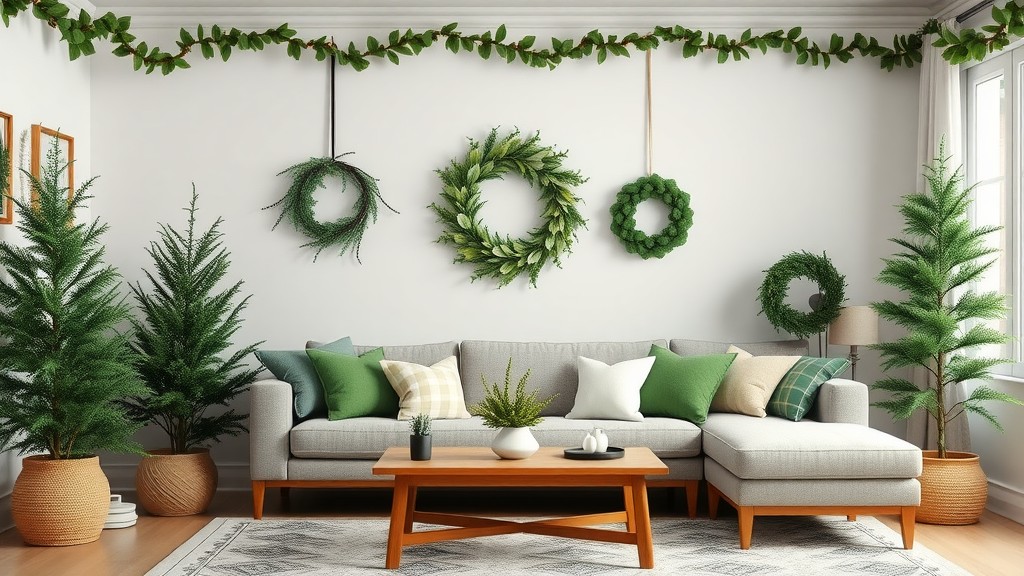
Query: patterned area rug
781	546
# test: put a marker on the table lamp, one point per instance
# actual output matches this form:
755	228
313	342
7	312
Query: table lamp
855	326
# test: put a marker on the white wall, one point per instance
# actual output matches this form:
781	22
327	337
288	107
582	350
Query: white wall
38	85
776	158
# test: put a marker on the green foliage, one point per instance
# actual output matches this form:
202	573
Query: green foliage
298	204
5	171
499	409
420	425
506	258
63	365
941	255
680	217
775	288
82	32
185	329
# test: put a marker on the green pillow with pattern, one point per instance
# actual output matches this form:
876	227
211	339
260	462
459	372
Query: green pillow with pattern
795	394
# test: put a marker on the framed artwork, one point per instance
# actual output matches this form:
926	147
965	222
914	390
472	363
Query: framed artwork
42	140
7	171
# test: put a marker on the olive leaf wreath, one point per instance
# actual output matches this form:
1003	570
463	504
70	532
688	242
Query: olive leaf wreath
492	255
775	288
298	204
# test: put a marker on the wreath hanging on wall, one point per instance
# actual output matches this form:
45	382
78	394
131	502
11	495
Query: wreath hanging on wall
492	255
298	204
775	287
680	217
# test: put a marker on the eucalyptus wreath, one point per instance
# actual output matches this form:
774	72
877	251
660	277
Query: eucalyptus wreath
775	287
680	216
298	203
506	258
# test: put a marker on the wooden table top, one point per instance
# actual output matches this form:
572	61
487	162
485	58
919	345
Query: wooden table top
473	461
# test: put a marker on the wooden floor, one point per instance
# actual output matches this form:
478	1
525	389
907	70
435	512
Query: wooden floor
994	547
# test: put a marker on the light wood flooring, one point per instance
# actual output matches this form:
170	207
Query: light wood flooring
993	547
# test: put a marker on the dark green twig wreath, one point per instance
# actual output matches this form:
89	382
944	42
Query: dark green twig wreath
818	269
680	216
506	258
298	204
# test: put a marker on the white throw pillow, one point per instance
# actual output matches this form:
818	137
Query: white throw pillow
610	392
433	390
750	381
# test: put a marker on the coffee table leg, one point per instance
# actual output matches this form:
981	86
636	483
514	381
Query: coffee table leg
399	508
410	509
630	509
642	516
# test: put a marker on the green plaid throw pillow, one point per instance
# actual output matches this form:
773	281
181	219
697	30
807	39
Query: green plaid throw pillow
795	394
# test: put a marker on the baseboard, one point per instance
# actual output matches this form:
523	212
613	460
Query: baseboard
231	476
1006	501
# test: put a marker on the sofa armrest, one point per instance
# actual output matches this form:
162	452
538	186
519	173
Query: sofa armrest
270	421
843	401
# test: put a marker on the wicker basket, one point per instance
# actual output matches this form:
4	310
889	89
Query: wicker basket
60	502
953	489
176	484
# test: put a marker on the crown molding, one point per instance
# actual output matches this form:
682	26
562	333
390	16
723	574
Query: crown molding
550	15
89	7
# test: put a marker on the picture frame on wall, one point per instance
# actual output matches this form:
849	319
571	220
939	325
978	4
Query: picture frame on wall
7	182
42	139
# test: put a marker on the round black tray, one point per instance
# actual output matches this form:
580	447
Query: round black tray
578	454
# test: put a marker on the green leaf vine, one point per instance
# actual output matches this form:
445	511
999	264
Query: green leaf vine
83	32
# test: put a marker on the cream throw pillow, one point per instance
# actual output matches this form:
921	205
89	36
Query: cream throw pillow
610	392
433	390
750	381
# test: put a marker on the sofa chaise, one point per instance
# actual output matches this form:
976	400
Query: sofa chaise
830	462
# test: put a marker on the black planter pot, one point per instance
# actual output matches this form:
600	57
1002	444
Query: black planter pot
419	447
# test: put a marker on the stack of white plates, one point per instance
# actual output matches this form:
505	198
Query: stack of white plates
122	514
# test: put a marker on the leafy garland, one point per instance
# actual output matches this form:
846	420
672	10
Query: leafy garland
506	258
775	287
81	34
298	203
680	217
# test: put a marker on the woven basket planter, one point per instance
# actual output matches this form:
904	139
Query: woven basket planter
953	489
176	484
60	502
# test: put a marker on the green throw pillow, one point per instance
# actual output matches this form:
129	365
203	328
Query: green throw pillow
354	386
682	386
795	394
295	368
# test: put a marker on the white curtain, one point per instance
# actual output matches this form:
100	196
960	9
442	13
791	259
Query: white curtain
939	117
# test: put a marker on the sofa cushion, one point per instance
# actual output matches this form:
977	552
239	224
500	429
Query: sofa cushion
795	394
610	392
679	387
775	448
367	438
685	347
295	368
354	386
552	366
750	381
434	390
425	354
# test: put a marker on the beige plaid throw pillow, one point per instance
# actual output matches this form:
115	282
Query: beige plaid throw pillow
433	390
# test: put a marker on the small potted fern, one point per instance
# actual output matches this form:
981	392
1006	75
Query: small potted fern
419	440
512	415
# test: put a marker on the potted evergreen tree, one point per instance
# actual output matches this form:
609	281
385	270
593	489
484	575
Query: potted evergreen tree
63	364
181	343
942	255
513	415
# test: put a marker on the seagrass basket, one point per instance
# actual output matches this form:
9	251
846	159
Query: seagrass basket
953	489
176	484
60	502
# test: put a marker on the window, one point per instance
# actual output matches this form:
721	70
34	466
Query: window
994	163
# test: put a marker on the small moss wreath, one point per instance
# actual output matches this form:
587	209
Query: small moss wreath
775	287
298	204
680	216
506	258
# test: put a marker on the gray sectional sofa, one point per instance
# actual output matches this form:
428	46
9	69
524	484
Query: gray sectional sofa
828	463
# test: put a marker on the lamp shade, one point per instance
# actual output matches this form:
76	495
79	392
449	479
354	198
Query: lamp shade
855	326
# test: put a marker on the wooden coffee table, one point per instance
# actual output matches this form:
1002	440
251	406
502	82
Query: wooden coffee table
475	467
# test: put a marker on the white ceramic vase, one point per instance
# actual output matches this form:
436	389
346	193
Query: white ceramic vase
515	443
602	440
